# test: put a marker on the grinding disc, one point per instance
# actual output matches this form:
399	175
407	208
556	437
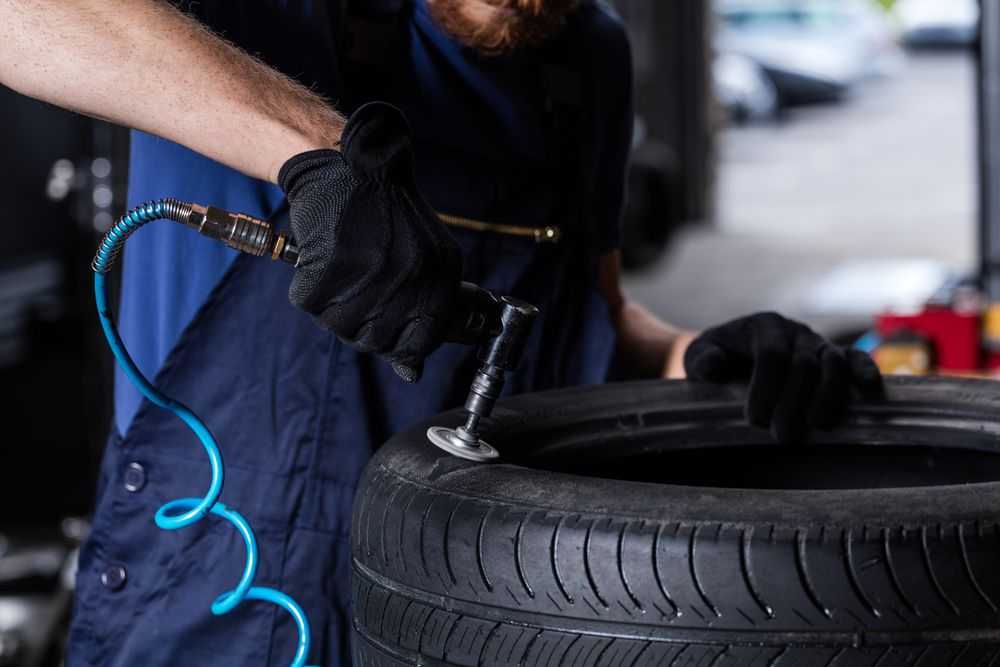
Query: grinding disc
446	439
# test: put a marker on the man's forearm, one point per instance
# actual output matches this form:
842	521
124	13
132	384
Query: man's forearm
648	346
143	64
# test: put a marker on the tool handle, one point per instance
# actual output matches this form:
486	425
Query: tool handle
504	348
478	316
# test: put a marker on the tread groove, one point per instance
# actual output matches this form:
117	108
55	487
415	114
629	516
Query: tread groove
926	550
746	616
591	605
571	645
621	569
400	555
385	521
447	544
518	565
677	657
777	658
553	546
527	649
852	574
423	535
409	603
857	618
746	539
486	642
369	501
642	652
597	660
886	652
447	637
893	575
803	568
692	557
586	565
719	656
968	570
479	550
677	613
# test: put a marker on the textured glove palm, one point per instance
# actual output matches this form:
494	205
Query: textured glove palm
377	267
798	379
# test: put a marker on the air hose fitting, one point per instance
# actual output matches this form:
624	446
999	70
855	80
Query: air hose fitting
237	230
250	235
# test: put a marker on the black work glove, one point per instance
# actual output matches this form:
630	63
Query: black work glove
377	267
798	379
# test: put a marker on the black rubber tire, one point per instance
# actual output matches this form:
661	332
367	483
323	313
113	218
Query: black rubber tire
510	564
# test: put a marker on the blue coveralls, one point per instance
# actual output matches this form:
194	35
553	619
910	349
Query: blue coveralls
298	413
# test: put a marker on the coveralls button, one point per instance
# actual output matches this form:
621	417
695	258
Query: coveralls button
114	577
134	477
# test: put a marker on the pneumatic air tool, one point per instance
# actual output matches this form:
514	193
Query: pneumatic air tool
499	325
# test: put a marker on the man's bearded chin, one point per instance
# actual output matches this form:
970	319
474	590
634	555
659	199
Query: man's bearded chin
529	25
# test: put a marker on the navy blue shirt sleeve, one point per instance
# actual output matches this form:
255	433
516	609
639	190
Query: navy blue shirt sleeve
613	117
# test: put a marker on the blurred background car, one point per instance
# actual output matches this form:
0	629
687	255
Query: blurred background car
938	22
812	50
743	89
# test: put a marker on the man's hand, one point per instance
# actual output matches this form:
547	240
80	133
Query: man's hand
378	268
798	379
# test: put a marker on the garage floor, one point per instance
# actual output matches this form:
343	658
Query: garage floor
807	203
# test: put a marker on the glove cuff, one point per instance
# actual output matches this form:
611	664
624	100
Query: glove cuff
299	164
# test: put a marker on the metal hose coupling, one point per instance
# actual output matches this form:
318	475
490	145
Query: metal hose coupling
237	230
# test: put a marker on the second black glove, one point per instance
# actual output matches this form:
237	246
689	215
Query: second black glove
798	379
377	267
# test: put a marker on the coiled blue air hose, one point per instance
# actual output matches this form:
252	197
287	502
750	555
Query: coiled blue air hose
184	512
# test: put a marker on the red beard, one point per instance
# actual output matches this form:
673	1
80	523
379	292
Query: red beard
529	25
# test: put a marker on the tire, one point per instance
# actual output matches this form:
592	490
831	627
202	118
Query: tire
861	546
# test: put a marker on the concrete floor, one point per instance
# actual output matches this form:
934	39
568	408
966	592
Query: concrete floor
833	211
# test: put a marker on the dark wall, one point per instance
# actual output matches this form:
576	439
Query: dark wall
54	371
671	45
33	136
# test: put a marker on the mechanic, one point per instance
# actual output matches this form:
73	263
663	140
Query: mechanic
510	118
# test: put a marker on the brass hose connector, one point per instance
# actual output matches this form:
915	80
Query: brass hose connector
237	230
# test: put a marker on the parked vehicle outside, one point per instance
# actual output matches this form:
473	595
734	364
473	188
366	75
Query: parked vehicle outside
743	89
812	50
938	22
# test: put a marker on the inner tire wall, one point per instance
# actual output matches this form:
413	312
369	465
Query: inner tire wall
459	564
